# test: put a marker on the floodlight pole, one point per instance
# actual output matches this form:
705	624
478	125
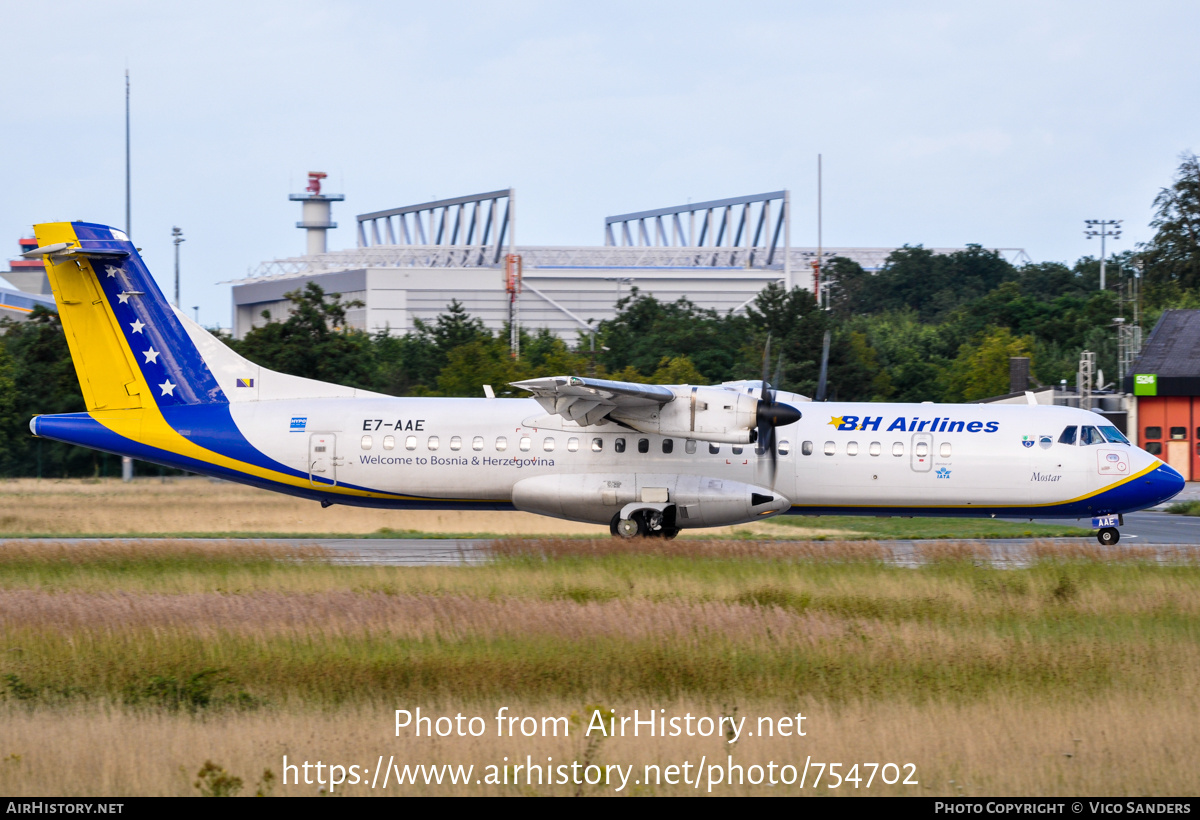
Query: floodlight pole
126	461
1103	228
178	237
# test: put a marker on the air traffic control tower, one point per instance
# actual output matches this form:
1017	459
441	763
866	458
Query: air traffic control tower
317	211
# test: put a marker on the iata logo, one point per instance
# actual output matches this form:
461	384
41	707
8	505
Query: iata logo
943	473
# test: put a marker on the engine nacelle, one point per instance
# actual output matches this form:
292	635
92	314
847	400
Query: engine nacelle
699	501
706	413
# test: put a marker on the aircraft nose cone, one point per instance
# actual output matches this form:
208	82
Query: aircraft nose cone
1171	479
777	414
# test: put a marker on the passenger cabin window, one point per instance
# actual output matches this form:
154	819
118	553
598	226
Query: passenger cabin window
944	450
366	442
785	447
433	443
1154	448
921	449
572	445
876	448
668	445
389	442
1068	435
456	442
898	448
597	445
501	444
548	444
1176	432
643	445
619	445
852	448
1114	435
830	448
410	443
714	449
477	443
526	443
1153	432
1090	435
806	448
689	447
737	451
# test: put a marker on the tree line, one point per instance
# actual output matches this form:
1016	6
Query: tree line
925	327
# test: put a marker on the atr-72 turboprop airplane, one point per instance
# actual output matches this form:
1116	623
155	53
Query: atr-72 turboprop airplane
644	459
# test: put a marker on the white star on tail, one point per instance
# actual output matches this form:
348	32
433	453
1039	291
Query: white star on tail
167	388
112	271
151	356
123	297
137	325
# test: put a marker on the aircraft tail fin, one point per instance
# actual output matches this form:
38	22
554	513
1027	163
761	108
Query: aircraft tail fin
130	347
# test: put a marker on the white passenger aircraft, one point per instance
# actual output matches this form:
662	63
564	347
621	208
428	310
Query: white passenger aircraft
644	459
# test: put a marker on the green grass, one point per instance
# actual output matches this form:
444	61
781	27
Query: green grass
1185	508
241	627
847	528
869	527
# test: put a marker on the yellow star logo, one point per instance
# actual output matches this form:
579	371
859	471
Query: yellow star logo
836	421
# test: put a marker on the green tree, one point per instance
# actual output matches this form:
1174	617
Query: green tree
982	369
314	341
677	370
44	381
645	330
1172	257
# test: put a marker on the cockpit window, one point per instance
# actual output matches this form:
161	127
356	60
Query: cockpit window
1068	435
1113	435
1090	435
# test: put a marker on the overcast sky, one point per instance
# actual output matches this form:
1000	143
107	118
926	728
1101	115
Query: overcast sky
1000	123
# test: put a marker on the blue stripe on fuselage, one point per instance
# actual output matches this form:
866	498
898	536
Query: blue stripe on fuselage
1130	495
82	429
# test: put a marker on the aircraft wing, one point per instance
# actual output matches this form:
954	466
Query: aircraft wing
586	401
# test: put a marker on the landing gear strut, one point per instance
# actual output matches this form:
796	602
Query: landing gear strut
1108	536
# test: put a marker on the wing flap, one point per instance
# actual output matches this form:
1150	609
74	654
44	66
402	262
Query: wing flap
587	401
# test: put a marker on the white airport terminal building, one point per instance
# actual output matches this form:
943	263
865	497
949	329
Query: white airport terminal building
410	262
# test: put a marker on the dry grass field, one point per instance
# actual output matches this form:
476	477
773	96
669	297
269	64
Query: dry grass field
124	667
195	506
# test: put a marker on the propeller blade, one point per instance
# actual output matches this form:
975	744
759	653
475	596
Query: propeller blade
824	369
766	370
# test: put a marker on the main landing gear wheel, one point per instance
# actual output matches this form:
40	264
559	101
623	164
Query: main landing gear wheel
627	527
1108	536
643	524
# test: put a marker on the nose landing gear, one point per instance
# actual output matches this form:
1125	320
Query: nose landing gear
1107	526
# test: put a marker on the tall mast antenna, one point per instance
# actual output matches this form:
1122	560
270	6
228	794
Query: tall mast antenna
128	220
